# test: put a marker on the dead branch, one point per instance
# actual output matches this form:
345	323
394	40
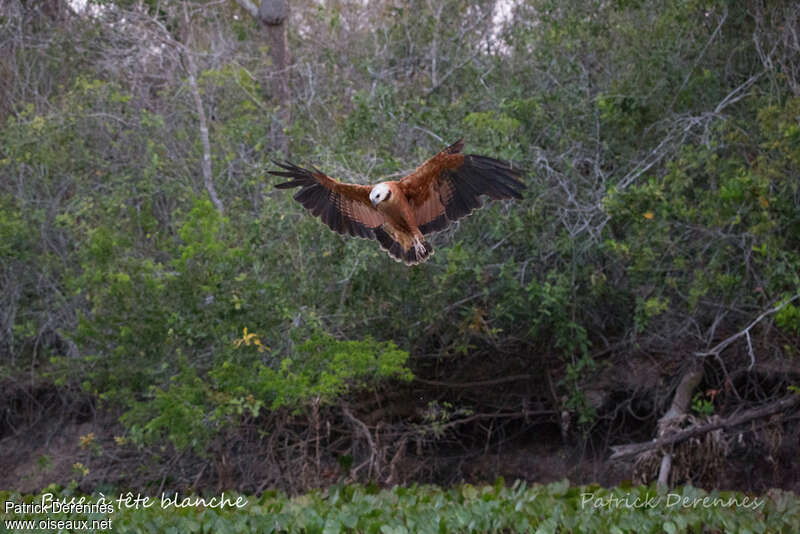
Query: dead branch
700	56
632	449
249	6
374	458
473	384
722	345
497	415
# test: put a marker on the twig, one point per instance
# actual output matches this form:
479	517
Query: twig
497	415
730	98
503	380
425	130
699	57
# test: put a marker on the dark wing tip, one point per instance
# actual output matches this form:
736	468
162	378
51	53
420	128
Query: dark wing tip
289	166
301	176
477	176
455	148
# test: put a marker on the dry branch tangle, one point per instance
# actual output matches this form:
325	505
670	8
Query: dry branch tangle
632	449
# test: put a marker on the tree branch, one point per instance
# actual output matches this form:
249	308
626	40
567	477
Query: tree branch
191	69
374	459
722	345
480	383
632	449
250	7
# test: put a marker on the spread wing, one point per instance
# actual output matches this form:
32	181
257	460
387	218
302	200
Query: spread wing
449	185
345	208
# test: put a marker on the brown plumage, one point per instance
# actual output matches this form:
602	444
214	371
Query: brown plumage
398	214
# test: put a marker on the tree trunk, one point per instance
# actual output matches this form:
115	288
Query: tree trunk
273	14
52	9
279	86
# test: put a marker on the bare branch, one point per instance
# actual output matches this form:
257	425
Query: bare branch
722	20
249	6
191	69
479	383
624	451
374	458
738	93
425	130
722	345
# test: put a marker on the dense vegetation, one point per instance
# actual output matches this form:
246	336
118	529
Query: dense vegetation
235	342
557	507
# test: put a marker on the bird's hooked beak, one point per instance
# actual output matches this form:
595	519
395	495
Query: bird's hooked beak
374	202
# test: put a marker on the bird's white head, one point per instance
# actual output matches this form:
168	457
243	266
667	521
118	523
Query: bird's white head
379	193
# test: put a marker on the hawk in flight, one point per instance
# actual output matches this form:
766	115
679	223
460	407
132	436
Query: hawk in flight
399	214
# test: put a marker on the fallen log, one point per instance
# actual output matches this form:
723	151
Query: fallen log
632	449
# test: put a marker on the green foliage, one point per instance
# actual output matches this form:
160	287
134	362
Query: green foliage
189	410
789	318
701	405
647	309
491	129
554	314
177	414
15	243
324	368
320	369
714	191
557	507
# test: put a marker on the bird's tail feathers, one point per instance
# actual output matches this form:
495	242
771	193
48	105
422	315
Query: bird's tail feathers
418	251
